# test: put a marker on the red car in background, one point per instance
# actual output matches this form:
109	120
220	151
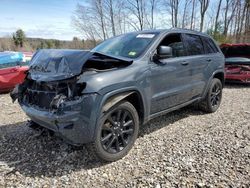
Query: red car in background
237	64
12	70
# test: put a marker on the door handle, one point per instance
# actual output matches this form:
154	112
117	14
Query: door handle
209	60
184	63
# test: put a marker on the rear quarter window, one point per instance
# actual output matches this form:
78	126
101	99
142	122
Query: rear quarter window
194	44
209	45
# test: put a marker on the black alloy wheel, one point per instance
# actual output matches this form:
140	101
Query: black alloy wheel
117	132
213	98
216	95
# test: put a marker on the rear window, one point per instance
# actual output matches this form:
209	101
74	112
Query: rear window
194	44
209	45
8	65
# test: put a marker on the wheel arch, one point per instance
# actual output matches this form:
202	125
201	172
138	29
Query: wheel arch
221	77
217	74
132	96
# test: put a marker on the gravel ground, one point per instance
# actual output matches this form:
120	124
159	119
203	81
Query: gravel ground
185	148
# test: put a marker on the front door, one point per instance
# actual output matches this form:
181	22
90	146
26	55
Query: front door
170	77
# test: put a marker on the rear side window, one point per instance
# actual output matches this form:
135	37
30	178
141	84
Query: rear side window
209	45
194	44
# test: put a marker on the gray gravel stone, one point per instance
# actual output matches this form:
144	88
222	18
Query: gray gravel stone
185	148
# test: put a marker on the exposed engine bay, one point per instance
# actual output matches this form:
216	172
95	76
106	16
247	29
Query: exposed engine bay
48	95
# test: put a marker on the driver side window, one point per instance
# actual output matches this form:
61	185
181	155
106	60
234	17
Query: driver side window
175	42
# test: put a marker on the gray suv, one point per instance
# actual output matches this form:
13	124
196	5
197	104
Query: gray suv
103	96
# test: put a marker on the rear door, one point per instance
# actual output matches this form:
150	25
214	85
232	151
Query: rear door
199	62
212	55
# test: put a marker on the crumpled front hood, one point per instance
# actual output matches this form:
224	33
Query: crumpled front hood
49	65
54	64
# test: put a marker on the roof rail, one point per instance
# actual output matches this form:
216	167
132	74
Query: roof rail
183	29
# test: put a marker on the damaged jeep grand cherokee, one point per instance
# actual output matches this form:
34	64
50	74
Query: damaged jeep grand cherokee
102	96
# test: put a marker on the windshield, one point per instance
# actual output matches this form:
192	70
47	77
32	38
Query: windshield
129	45
236	51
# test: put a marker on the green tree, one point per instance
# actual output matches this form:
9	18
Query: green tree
41	45
77	43
57	43
19	38
49	43
76	39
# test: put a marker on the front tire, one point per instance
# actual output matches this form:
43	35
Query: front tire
116	132
213	98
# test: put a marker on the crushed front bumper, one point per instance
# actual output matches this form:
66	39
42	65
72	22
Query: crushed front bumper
75	121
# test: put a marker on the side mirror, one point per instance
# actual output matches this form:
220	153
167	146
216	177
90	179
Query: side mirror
164	52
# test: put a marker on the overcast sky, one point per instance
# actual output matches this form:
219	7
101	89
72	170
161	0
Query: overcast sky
39	18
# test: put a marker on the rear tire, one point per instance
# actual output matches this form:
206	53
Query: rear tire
117	131
213	98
